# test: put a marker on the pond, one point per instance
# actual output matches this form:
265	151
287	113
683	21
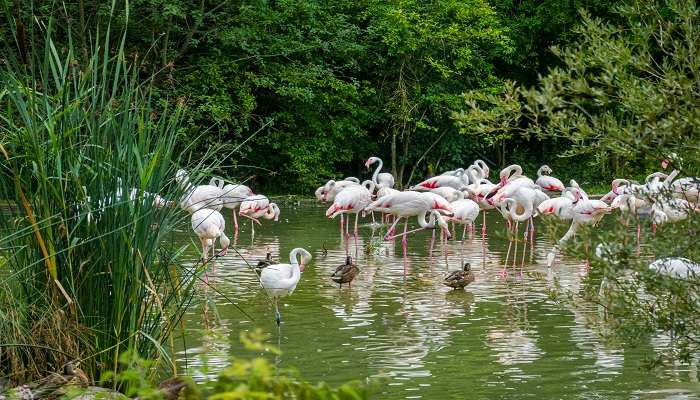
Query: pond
499	338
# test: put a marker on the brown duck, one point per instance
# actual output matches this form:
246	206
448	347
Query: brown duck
345	273
459	279
264	263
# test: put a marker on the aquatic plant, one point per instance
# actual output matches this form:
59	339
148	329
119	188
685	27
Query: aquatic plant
89	272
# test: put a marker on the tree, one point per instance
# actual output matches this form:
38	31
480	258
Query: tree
625	92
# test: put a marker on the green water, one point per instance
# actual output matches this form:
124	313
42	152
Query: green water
497	339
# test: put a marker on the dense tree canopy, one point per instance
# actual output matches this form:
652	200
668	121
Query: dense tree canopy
325	84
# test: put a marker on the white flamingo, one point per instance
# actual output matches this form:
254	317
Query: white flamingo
198	197
209	225
585	212
547	182
280	280
676	267
351	200
380	179
449	193
234	195
410	204
466	211
258	206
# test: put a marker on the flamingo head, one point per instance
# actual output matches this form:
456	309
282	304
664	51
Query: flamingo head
370	161
665	163
442	224
274	210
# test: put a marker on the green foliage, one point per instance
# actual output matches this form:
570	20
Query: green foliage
243	379
89	272
624	98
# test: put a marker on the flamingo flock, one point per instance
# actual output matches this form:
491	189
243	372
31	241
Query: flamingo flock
460	195
457	196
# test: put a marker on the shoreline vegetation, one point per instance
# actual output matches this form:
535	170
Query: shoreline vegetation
95	111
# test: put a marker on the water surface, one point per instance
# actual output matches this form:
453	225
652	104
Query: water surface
499	338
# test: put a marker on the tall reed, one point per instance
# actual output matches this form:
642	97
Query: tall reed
86	272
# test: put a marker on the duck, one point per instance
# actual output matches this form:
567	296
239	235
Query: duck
459	279
345	273
264	263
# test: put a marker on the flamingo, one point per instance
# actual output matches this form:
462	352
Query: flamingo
449	193
478	191
332	188
676	267
409	204
687	188
198	197
258	206
614	191
585	212
209	225
510	178
454	172
280	280
547	182
456	182
351	200
234	194
466	211
483	167
562	207
383	179
521	204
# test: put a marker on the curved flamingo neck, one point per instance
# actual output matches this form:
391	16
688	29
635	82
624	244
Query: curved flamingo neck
376	171
427	224
540	172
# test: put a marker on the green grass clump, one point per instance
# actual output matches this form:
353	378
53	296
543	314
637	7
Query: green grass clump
88	271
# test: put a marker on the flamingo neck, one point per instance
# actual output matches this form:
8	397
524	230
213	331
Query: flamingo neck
425	224
380	164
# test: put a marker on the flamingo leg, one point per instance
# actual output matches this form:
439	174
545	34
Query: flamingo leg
639	234
235	222
525	235
357	215
341	224
464	232
404	245
515	238
483	225
392	229
504	272
205	254
373	220
432	242
278	317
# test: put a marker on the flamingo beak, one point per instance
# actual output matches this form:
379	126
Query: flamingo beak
301	267
367	164
503	181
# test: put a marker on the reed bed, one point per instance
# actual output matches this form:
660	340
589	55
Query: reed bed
88	270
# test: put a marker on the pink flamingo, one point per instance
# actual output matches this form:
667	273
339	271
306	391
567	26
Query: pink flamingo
234	194
585	212
466	211
351	200
383	179
210	225
547	182
198	197
258	206
456	182
409	204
